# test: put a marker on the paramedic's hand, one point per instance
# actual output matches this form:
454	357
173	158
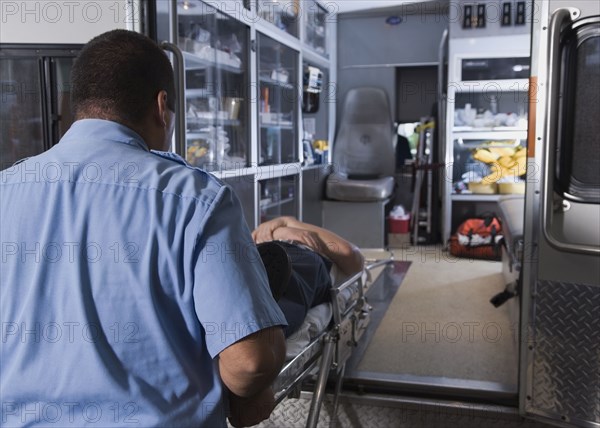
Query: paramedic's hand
248	411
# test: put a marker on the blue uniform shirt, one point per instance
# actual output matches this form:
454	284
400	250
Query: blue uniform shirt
124	273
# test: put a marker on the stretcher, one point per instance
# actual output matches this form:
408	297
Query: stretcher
326	340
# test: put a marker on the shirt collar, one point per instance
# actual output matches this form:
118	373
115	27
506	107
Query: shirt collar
85	130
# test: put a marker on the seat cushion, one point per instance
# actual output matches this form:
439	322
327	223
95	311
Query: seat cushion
511	214
342	188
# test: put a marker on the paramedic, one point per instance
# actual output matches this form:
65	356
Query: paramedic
120	265
318	258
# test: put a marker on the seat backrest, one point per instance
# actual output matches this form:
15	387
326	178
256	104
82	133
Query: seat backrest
363	147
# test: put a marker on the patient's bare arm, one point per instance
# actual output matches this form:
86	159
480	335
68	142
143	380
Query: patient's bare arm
306	237
343	253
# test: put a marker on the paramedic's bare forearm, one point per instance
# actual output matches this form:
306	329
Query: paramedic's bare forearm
244	412
250	365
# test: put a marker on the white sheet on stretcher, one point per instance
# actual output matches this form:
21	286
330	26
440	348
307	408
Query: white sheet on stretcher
317	319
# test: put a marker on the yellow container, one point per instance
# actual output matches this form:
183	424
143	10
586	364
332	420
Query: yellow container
483	188
517	188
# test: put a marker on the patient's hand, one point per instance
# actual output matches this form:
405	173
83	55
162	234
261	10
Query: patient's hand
248	411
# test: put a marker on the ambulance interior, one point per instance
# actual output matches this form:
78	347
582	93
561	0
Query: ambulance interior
446	328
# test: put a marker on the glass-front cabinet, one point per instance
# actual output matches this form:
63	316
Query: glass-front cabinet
277	102
284	14
490	132
487	123
215	47
317	95
250	71
35	111
278	197
315	26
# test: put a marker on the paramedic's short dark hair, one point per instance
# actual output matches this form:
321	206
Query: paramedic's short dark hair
118	75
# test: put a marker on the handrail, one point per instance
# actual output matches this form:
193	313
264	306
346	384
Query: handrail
441	92
559	18
179	68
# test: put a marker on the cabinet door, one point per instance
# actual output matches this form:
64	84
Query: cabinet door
35	111
316	99
278	102
278	197
21	116
490	109
284	14
489	134
244	188
215	49
481	164
315	25
486	140
61	109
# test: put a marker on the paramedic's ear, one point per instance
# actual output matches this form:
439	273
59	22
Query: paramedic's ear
167	118
162	108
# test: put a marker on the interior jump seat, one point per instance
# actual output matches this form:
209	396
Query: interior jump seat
363	152
362	180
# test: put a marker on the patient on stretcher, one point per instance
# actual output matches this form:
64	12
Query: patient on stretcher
302	262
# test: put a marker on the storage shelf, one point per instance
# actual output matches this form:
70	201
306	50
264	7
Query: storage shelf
490	134
314	166
310	54
276	204
475	197
198	93
195	62
475	86
478	197
277	125
273	82
211	122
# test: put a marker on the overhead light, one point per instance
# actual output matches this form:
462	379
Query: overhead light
186	4
518	67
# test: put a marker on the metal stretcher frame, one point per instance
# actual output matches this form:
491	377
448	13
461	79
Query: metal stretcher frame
330	349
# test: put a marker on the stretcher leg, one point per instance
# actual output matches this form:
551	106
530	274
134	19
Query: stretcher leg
319	394
336	396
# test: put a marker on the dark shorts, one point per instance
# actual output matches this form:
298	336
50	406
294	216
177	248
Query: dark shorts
309	285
